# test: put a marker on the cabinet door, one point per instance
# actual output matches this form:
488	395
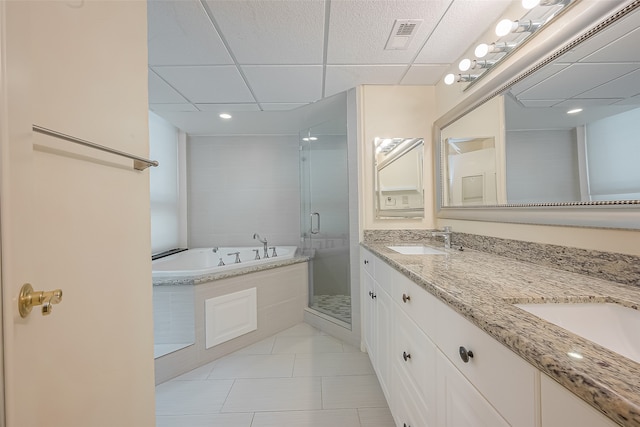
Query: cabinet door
459	403
561	408
503	378
368	308
384	328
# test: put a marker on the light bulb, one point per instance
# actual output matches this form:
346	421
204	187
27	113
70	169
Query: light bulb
504	27
530	4
464	65
482	50
449	79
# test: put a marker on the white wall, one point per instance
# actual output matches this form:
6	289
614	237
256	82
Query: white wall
167	181
395	112
542	167
612	155
240	185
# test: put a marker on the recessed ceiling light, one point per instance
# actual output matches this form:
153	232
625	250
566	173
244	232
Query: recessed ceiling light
226	116
574	111
313	138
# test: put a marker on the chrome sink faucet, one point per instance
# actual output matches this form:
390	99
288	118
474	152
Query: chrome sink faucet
446	233
264	242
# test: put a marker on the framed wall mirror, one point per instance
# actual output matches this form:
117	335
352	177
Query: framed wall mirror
557	144
399	169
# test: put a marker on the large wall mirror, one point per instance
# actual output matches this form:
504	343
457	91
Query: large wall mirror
559	143
399	171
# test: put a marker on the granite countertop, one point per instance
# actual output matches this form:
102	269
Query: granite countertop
225	274
482	287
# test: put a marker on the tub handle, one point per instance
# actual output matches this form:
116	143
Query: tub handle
273	252
317	230
257	251
237	254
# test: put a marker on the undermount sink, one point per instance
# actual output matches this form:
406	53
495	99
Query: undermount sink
416	250
610	325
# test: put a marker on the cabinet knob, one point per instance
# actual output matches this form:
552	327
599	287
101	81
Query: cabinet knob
373	295
370	293
465	354
366	261
406	356
405	298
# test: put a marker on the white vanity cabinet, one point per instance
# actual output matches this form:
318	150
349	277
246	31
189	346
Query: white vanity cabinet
378	320
459	402
505	380
562	408
414	341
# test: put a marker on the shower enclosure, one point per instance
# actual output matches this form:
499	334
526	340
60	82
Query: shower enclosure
325	217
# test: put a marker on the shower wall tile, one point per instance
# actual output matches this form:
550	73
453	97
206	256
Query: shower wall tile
240	185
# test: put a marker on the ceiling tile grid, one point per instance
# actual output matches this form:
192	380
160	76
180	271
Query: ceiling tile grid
253	56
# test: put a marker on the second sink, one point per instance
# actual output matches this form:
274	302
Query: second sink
416	250
611	325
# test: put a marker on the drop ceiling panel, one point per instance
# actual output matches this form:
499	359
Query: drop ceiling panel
624	49
162	93
459	29
280	106
424	74
172	107
272	32
180	33
342	77
289	84
207	84
613	33
583	103
539	103
358	30
227	108
575	80
537	77
623	87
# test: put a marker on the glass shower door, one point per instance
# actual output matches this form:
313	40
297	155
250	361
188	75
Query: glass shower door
325	218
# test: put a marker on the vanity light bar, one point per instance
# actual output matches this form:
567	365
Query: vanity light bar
504	28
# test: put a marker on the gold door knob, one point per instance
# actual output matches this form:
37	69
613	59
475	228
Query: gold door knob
29	298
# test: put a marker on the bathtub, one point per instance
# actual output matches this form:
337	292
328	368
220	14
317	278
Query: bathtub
204	261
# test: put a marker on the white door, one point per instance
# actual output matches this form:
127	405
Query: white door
74	218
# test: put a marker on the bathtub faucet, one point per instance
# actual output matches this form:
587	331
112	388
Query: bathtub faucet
264	242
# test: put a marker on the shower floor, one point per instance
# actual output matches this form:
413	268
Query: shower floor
338	306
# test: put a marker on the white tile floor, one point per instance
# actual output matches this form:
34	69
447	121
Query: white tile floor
299	377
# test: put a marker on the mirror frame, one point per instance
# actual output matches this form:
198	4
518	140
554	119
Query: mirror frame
621	214
381	213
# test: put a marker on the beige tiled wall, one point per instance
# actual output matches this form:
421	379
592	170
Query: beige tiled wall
282	298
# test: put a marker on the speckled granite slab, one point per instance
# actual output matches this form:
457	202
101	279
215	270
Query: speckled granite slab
228	273
482	287
616	267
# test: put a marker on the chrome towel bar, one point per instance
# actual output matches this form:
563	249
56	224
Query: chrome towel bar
139	163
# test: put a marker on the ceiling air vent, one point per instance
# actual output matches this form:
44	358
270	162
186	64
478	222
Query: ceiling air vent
402	33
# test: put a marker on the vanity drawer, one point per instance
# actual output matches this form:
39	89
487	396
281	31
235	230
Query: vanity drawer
501	376
414	354
415	301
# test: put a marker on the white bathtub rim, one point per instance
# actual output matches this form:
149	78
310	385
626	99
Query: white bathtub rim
196	273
